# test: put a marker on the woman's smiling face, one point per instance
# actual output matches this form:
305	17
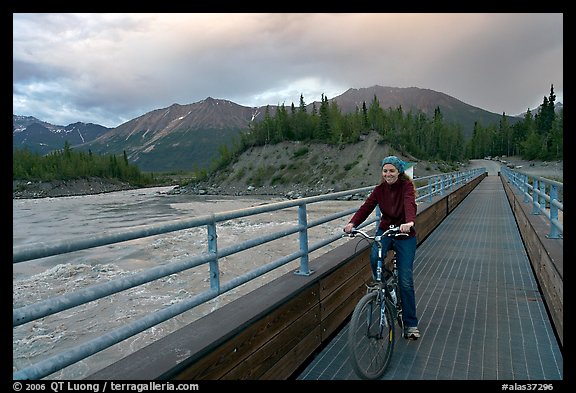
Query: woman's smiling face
390	173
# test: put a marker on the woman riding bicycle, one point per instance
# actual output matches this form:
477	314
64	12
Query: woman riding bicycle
396	198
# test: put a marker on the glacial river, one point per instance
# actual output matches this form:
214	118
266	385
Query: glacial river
51	219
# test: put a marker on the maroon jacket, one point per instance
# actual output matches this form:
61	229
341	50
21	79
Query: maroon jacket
397	204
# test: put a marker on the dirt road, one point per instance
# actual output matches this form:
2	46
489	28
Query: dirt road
553	170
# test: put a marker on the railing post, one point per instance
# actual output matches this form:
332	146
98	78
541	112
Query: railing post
213	249
303	223
442	184
554	233
535	206
525	188
542	195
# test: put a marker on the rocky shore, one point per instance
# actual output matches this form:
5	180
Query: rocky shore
62	188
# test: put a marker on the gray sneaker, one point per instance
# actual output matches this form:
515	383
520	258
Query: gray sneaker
412	333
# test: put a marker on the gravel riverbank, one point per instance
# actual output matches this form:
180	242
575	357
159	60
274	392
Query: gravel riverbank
61	188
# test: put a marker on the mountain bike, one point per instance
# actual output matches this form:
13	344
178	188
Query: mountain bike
371	333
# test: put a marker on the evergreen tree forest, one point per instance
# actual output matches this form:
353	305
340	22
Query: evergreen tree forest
536	137
67	164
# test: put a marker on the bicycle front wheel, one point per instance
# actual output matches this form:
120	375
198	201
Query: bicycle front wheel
371	337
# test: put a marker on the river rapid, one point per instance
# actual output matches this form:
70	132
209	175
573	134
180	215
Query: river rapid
56	219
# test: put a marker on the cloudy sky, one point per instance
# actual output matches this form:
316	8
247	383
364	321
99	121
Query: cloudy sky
110	68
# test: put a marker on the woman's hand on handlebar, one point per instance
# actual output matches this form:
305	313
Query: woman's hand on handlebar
348	228
405	228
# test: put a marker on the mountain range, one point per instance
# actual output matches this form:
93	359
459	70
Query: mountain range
42	137
188	137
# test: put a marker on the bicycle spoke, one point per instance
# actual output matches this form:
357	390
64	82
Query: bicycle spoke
371	339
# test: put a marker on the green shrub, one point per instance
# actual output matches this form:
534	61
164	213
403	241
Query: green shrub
301	152
241	173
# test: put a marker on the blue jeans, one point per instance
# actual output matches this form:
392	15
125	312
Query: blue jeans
405	254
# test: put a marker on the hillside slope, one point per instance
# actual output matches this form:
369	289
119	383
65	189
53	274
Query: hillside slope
295	169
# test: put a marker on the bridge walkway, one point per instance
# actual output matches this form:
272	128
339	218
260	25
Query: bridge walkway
482	316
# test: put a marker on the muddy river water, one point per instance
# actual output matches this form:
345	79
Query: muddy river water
55	219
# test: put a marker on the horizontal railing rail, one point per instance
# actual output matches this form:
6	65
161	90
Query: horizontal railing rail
434	185
546	196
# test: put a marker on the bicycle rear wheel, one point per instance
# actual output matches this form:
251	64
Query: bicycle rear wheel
371	337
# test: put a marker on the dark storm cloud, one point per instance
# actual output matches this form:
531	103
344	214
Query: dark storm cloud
111	68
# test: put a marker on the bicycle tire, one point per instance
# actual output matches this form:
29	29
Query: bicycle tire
370	350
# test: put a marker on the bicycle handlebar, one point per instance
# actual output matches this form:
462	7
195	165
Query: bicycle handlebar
392	231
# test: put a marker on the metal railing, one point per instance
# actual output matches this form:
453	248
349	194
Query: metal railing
440	184
434	185
546	196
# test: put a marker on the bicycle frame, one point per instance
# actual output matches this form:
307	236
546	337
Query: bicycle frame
390	283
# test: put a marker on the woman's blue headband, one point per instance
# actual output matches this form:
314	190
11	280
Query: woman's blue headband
398	163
